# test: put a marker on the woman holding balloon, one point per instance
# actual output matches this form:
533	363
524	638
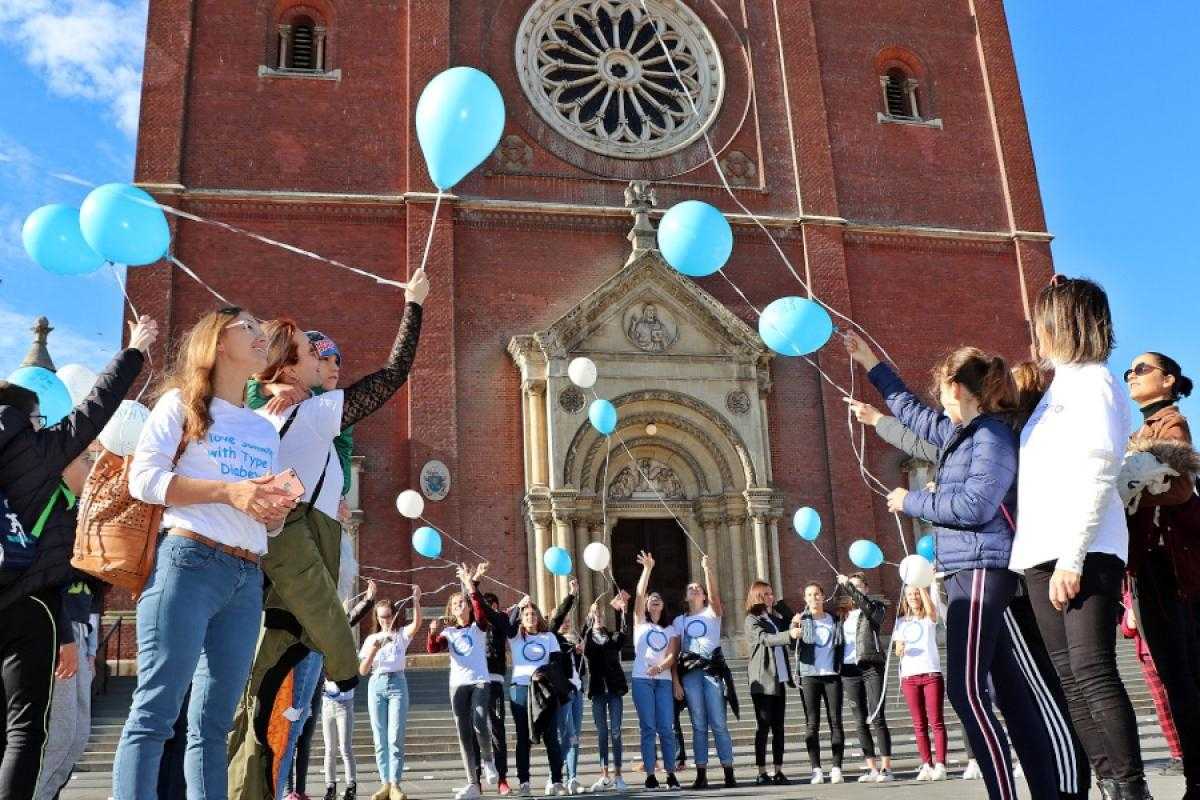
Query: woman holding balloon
770	634
971	504
863	670
819	655
921	679
655	648
607	686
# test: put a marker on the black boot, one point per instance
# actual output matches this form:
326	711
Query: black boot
730	781
351	792
651	781
331	791
701	781
672	781
1133	790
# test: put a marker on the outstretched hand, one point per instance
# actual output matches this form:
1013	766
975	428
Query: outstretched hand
645	559
859	351
418	287
865	413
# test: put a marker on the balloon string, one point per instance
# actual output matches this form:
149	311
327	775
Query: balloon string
406	571
887	663
432	225
824	557
604	515
112	268
198	280
466	547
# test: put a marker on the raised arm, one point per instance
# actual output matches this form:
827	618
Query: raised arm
892	431
417	619
643	584
875	610
710	585
564	608
930	609
368	394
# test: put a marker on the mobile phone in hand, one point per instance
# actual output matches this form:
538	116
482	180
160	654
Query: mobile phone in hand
289	482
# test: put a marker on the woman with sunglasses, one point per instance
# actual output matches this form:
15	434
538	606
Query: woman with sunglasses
302	605
1072	541
35	508
1160	567
210	461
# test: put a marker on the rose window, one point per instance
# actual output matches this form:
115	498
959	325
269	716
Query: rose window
596	72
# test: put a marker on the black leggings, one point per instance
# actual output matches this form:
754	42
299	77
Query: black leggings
680	745
1172	632
769	712
829	687
1082	643
28	651
863	685
520	712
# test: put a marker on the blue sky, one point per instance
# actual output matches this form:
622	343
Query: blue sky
1110	100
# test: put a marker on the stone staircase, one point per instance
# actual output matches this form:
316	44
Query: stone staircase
432	747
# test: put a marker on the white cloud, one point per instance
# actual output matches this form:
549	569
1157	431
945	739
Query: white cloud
66	344
90	49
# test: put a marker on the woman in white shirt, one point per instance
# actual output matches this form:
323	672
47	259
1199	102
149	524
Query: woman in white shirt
921	682
533	646
383	658
210	461
699	632
655	648
819	663
1071	539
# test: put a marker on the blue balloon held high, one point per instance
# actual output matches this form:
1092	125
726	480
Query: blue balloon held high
53	397
866	554
927	547
695	238
603	416
557	560
460	117
124	224
807	523
427	542
52	238
794	326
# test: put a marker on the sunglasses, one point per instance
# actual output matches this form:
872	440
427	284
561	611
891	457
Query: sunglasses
251	327
1141	370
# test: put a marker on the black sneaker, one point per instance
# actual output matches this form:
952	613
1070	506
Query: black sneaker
730	780
331	792
701	781
780	779
672	781
351	792
762	780
651	781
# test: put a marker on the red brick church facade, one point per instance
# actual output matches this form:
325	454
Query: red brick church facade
884	145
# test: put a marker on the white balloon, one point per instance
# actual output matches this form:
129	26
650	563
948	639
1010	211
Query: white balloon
121	434
582	372
78	379
410	504
915	570
596	556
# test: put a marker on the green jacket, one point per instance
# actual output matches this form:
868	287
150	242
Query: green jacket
343	444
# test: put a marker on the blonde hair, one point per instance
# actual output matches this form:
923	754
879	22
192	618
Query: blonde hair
1073	322
756	597
281	348
192	368
907	611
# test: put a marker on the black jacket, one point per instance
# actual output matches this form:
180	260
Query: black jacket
715	667
501	628
571	661
548	690
603	656
866	636
31	465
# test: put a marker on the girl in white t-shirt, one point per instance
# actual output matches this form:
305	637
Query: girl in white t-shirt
383	658
533	646
655	647
464	637
915	642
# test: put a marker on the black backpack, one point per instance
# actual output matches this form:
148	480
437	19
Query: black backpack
18	547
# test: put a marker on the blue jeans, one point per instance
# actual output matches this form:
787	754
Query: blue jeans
607	712
654	701
570	723
305	677
197	623
388	703
705	697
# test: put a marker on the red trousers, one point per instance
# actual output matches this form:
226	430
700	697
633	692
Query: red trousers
1160	704
925	695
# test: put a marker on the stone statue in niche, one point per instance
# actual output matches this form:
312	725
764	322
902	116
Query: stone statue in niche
649	480
650	330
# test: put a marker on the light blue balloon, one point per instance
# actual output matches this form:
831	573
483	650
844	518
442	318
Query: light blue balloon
795	326
124	224
927	547
460	118
557	560
53	397
807	523
52	238
427	542
695	238
603	416
866	554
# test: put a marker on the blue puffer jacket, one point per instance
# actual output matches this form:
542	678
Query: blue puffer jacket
976	473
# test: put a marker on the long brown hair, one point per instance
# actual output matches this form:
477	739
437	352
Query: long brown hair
982	374
281	348
756	598
449	615
1073	322
191	371
1031	381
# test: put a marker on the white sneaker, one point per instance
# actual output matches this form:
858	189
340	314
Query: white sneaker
524	791
1017	771
620	785
574	786
489	774
972	773
939	772
602	785
926	773
835	775
817	776
554	789
885	776
869	777
470	792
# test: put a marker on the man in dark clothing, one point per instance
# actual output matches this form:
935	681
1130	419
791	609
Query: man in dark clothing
32	459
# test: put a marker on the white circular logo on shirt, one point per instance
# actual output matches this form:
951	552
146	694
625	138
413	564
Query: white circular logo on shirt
913	632
533	651
696	628
657	641
823	636
463	644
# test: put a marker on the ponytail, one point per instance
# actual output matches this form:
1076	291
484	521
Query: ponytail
1183	384
982	374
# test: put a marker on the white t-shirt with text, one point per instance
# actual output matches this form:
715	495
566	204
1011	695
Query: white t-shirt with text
308	442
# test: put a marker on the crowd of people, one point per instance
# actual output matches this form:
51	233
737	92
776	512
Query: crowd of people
1052	525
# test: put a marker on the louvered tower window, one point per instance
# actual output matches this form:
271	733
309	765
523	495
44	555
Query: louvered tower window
900	95
302	53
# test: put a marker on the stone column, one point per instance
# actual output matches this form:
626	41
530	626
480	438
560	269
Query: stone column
737	554
285	37
541	580
563	537
587	592
319	35
536	392
762	566
696	573
776	564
